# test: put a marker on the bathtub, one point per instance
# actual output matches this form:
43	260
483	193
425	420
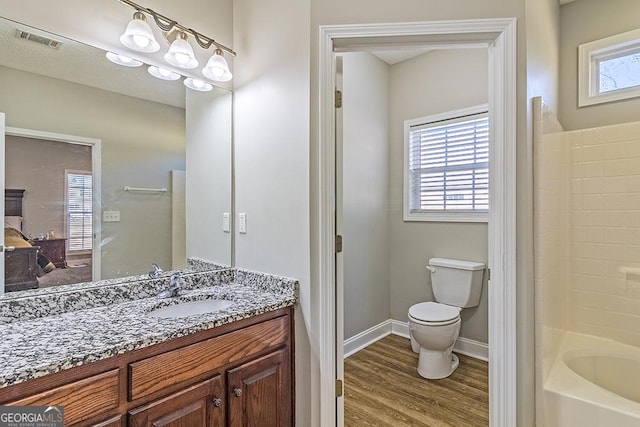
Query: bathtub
593	382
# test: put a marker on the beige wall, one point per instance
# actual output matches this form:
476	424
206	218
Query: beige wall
433	83
271	159
141	142
38	167
581	22
208	178
365	184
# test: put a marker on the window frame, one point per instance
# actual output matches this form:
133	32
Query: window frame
439	216
589	57
67	226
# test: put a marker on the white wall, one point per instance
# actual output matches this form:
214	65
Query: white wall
38	167
133	153
581	22
208	177
365	191
271	139
432	83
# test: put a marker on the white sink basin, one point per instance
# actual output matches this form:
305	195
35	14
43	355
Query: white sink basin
191	308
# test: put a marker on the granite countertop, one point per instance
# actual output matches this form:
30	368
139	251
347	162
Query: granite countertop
44	345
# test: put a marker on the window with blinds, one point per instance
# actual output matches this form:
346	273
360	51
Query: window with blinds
79	213
447	166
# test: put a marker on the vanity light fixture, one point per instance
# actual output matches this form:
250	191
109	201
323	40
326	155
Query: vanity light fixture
162	73
125	61
138	36
198	85
180	52
217	68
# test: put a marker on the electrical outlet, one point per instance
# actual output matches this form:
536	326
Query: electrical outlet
111	216
226	222
242	223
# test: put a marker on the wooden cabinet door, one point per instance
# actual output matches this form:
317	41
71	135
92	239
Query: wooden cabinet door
199	405
260	392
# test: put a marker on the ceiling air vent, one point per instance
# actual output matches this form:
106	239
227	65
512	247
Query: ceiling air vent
38	39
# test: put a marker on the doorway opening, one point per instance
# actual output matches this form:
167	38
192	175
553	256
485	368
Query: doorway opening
498	37
61	207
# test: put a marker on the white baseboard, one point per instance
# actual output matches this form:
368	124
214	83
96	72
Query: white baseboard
471	348
400	328
366	338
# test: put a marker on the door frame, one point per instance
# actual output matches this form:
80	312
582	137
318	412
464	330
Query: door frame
96	169
499	36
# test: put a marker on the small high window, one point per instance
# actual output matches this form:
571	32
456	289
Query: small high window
609	69
447	167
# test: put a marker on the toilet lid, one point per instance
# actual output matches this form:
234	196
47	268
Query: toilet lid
433	312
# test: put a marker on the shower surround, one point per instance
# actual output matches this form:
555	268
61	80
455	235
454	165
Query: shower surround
587	241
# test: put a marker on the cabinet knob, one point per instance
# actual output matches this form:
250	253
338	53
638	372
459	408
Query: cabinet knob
217	402
237	392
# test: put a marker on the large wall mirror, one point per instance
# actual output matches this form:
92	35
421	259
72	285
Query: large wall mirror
108	170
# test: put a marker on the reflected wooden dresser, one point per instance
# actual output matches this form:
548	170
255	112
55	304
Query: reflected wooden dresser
54	250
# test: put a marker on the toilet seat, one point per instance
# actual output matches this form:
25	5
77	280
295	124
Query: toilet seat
434	314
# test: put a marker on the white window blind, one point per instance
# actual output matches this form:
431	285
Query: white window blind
448	170
79	211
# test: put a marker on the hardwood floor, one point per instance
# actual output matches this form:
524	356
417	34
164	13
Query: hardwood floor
383	388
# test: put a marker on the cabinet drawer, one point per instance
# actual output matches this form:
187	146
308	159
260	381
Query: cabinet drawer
87	398
165	370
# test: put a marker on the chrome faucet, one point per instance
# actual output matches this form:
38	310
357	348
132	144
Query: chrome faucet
157	271
176	282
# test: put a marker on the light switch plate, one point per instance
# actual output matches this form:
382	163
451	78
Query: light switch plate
242	223
111	216
226	222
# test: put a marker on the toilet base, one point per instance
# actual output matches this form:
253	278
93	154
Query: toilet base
435	365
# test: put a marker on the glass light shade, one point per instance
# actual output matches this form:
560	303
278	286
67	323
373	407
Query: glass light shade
198	85
181	54
125	61
162	73
217	68
138	35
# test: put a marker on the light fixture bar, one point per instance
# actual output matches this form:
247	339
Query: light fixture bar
167	24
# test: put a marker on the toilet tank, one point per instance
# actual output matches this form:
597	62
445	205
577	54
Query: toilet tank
456	282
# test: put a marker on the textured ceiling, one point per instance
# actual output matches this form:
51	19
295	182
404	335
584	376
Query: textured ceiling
83	64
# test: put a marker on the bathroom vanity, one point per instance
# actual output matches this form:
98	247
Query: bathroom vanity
233	367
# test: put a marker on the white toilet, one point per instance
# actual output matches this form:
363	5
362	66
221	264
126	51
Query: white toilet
434	326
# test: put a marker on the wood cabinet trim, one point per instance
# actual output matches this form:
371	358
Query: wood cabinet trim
89	398
177	367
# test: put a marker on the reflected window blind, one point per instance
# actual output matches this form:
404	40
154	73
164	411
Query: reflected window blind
449	165
79	211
